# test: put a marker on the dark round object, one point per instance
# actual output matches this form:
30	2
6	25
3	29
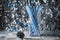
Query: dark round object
59	8
20	35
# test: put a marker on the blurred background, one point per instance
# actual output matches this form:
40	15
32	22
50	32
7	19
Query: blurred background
36	19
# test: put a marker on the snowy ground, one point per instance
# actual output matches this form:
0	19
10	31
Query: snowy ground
41	38
12	36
